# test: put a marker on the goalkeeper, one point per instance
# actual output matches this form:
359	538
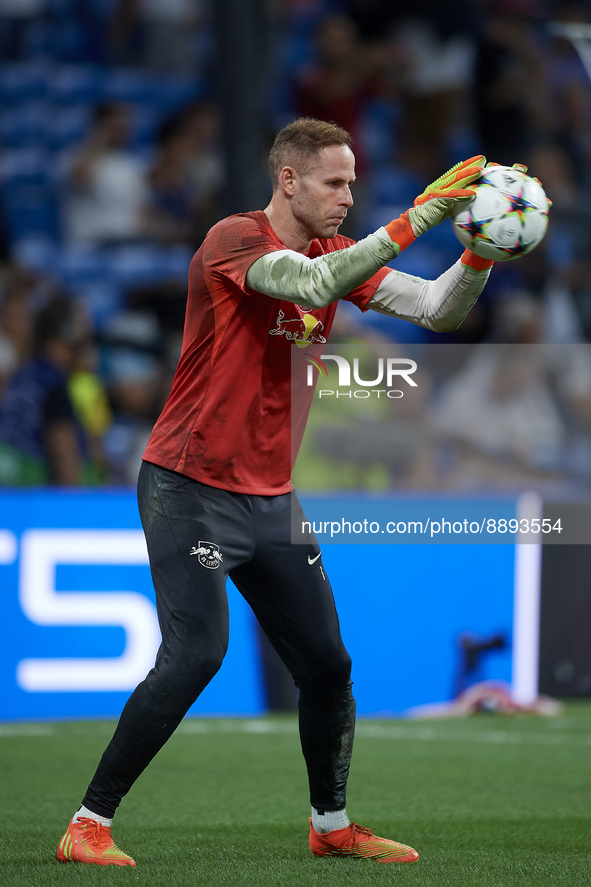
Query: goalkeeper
214	489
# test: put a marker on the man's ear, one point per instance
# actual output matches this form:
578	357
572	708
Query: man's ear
287	180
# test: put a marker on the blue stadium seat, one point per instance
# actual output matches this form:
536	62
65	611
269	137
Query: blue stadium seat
30	165
381	120
139	264
75	84
391	184
29	209
23	82
78	263
86	273
37	252
175	261
68	125
462	142
442	237
101	298
422	260
130	85
25	125
145	121
135	264
174	92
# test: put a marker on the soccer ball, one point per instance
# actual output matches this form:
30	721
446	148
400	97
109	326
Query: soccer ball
507	218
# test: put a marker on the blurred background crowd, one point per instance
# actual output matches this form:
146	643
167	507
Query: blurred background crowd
118	151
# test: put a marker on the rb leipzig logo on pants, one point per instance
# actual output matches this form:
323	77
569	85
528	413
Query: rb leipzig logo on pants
208	555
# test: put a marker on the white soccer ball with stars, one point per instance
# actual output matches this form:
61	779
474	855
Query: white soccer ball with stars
507	218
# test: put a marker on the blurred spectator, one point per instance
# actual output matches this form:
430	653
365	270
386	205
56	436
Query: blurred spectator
40	441
335	85
569	238
428	50
170	34
570	109
16	310
167	302
186	177
8	360
132	352
160	34
435	86
4	237
511	94
91	406
16	19
376	17
124	36
106	193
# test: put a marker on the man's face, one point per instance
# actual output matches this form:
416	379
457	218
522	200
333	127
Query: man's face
322	194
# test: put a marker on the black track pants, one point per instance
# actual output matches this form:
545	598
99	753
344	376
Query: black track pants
198	535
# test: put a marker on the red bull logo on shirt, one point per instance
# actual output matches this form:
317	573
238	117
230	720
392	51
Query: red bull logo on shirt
304	330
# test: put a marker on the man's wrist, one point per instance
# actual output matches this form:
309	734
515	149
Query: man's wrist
400	231
477	263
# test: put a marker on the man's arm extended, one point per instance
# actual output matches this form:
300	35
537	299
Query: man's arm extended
440	305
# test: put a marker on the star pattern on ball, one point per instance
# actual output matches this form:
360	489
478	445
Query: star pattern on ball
519	205
474	228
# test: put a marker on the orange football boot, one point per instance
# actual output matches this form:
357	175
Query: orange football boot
357	841
88	841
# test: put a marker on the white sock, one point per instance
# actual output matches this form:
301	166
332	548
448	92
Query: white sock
85	813
324	821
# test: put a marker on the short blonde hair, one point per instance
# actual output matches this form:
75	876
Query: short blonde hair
298	142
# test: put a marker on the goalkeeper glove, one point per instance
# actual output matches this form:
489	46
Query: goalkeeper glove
446	195
443	198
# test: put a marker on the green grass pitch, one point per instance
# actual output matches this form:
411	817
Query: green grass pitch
486	801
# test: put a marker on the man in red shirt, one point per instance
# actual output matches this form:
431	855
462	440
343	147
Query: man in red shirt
214	490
